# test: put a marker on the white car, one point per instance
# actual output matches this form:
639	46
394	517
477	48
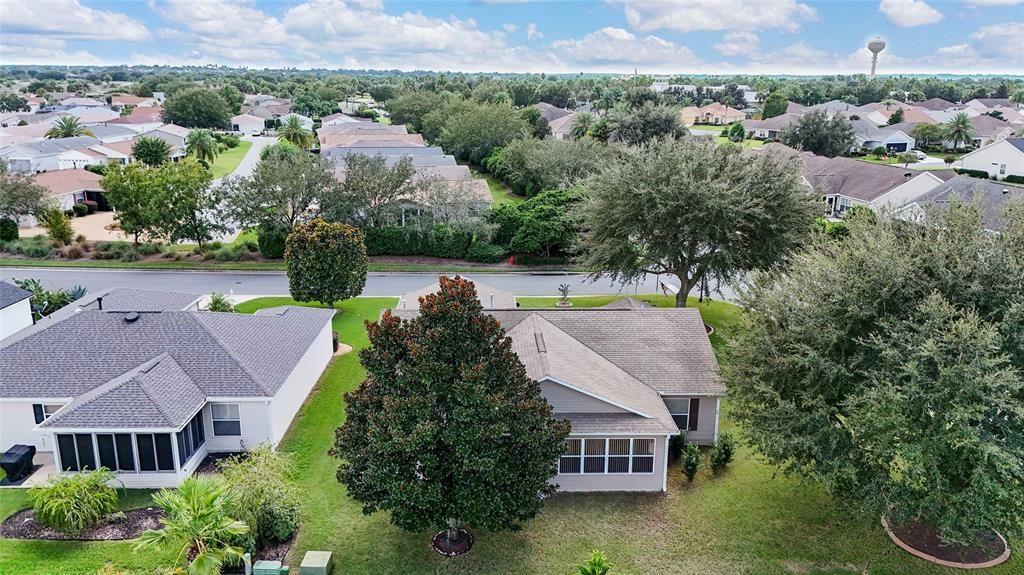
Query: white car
921	156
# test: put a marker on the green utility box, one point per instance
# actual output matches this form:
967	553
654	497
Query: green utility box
269	568
316	563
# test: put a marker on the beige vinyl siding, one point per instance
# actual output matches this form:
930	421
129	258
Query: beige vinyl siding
300	382
566	400
254	419
707	419
654	481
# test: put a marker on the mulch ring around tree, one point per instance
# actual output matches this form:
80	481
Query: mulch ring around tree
116	526
989	548
449	548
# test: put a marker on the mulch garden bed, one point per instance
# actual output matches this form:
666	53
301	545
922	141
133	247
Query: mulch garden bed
988	546
117	526
461	545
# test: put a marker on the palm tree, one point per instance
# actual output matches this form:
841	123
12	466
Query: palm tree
959	130
294	132
1017	97
202	145
581	125
68	127
197	526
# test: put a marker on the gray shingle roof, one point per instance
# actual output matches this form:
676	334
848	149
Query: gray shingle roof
11	294
225	355
584	423
550	112
1016	143
156	394
667	349
131	299
992	197
852	178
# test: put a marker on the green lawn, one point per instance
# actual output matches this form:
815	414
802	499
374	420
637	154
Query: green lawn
745	143
745	521
228	160
500	193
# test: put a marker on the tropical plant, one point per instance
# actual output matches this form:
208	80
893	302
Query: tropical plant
596	565
326	262
201	145
437	395
44	302
72	503
293	132
197	526
581	124
262	494
959	130
690	461
220	302
151	151
68	127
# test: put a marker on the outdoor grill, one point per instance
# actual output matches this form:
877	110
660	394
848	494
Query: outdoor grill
17	462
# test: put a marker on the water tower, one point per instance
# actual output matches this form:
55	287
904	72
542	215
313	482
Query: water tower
875	46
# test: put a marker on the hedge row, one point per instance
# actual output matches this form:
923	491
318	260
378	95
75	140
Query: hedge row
440	241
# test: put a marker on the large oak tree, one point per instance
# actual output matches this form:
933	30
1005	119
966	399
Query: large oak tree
447	429
692	209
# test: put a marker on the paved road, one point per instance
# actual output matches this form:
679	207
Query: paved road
276	283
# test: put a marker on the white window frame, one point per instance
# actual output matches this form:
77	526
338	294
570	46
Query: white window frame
674	414
49	409
607	445
214	420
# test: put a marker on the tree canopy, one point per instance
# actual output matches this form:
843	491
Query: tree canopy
428	437
190	209
820	134
888	366
151	151
326	261
369	190
472	133
692	209
20	195
282	190
134	193
774	105
197	107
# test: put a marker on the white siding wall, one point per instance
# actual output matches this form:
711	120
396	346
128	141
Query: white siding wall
619	481
16	422
15	318
999	153
293	393
908	192
707	422
565	400
255	424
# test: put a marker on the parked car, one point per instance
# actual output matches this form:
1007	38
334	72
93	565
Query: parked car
921	156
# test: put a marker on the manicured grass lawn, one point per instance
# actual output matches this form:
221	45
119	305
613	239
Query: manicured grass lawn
500	193
75	557
744	144
744	521
228	160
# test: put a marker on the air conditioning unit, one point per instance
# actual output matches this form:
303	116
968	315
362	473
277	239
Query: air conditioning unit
269	568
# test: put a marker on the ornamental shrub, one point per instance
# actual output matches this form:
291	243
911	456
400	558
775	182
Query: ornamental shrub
327	262
8	230
1014	179
442	241
72	503
722	454
56	224
263	495
972	173
485	252
691	461
80	210
271	238
92	205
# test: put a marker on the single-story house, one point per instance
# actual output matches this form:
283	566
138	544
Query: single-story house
987	129
140	119
869	136
110	133
45	155
490	298
15	309
627	380
772	127
936	104
845	182
248	124
120	102
67	187
550	112
339	118
306	121
140	383
992	197
170	133
561	128
718	114
999	159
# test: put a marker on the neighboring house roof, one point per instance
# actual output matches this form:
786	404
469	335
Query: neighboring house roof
993	197
865	130
501	299
936	104
992	102
82	102
794	108
223	354
855	179
362	128
780	122
139	300
11	294
60	182
128	100
386	148
338	116
986	126
627	303
332	140
107	131
833	107
1016	143
124	146
550	112
718	108
173	130
562	125
47	147
247	119
140	115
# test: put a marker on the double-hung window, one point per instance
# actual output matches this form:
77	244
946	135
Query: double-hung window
226	420
592	455
685	411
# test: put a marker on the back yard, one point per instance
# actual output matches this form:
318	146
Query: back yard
745	521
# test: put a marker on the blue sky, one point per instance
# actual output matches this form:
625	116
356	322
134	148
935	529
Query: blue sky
655	37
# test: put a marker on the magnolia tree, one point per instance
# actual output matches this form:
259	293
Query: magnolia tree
327	262
428	435
888	365
694	210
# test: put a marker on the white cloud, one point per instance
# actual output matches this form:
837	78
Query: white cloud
738	44
623	49
532	33
21	55
993	2
694	15
68	20
907	13
508	27
1004	42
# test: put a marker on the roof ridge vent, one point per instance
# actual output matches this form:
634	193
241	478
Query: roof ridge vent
539	339
131	317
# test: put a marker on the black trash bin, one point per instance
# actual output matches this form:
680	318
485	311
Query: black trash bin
17	462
